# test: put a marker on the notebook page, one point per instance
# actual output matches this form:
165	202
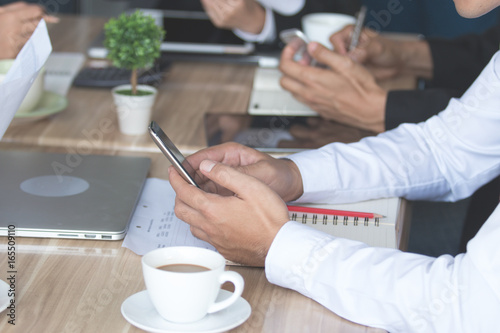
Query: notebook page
154	224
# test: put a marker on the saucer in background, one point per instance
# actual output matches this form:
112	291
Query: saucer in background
49	104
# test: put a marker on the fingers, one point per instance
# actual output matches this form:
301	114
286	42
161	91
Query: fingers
217	153
341	40
336	62
188	200
28	12
244	186
297	71
25	12
51	19
231	153
342	65
288	53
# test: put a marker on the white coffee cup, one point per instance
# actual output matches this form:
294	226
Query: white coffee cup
33	95
184	297
319	27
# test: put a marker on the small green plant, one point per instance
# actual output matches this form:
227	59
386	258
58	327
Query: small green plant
133	42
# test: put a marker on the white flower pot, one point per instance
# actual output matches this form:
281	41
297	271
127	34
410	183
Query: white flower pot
134	112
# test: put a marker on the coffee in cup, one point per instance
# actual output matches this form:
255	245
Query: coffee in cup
183	282
183	268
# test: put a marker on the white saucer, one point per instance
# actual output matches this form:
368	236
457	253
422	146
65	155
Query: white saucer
49	104
4	298
139	311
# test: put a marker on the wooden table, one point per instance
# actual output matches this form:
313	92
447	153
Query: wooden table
187	92
79	285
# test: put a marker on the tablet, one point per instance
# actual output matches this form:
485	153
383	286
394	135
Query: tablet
278	133
188	32
265	133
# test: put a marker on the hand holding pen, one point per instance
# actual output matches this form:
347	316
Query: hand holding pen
348	39
356	34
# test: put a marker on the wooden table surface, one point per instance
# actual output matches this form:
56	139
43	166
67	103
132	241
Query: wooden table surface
79	285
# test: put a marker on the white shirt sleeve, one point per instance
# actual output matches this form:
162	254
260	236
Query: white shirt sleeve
445	158
284	7
390	289
268	33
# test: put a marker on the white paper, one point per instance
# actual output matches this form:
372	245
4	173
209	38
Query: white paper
154	224
60	71
22	74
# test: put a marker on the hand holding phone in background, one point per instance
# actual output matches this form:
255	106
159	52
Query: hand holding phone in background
297	40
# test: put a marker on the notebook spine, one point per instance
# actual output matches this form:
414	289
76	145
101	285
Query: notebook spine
305	218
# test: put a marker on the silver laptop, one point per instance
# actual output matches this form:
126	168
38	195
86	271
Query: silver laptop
68	195
187	32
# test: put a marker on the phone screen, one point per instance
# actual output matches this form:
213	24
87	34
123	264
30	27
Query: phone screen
172	153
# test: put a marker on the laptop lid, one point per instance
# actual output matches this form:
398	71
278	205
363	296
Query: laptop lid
69	195
187	32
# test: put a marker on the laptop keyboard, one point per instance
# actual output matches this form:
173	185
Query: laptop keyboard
109	76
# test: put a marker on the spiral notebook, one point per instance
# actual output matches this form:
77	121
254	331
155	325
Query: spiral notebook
154	224
387	231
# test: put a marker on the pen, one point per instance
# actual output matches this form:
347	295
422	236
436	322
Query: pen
323	211
357	28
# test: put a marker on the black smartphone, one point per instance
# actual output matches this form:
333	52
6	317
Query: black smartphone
172	153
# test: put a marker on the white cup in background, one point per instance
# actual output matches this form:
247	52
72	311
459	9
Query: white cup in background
33	95
318	27
185	297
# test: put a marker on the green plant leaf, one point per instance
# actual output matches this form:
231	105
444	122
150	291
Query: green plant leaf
133	41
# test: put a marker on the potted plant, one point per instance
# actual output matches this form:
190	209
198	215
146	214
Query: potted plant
133	42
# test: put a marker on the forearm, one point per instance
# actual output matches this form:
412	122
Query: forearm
385	288
266	35
444	159
253	22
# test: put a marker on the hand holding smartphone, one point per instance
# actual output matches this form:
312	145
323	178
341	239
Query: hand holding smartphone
298	40
172	153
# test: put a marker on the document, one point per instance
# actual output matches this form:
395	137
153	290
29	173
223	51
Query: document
23	72
154	224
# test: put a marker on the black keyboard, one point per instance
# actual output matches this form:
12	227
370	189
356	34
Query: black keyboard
108	77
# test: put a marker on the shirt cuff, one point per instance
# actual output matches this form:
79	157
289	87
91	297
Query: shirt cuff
289	256
315	181
267	35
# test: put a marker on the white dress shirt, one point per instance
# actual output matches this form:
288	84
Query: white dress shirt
268	33
445	158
